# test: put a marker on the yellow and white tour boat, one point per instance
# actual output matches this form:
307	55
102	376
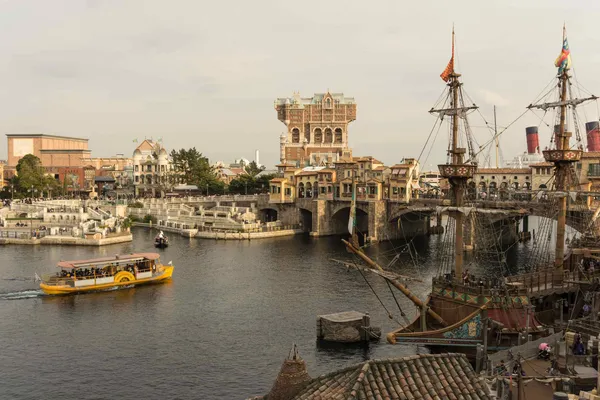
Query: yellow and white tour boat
106	273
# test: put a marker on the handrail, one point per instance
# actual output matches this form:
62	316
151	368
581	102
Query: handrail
70	279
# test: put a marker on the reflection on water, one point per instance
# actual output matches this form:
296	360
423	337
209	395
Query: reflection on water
219	330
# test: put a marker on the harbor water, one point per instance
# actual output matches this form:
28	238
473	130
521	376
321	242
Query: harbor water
219	330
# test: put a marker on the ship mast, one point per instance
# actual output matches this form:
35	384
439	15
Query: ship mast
563	156
457	171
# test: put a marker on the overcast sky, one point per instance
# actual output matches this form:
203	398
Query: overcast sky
206	73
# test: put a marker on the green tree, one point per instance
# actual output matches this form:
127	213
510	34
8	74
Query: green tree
243	184
262	182
253	169
193	168
31	175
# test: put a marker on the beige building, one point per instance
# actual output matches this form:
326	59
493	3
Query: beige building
117	163
491	180
227	174
588	171
542	175
56	153
373	181
2	183
317	128
152	169
52	150
404	180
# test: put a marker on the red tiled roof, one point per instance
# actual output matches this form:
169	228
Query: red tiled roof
345	162
307	173
368	158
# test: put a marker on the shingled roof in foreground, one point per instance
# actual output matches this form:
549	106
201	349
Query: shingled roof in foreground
427	376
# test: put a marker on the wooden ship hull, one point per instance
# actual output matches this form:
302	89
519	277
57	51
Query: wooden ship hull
474	316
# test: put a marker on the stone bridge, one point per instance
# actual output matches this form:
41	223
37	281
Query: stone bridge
380	219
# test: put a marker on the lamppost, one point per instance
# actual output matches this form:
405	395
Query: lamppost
33	191
12	191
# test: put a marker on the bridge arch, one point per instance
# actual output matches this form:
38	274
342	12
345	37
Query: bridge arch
341	217
342	205
268	214
306	218
407	223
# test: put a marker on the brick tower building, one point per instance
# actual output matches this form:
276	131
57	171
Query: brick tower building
317	128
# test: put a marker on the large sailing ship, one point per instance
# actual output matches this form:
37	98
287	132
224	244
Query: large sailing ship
464	311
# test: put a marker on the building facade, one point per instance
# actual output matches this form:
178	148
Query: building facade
52	150
119	168
2	182
316	128
371	179
55	152
152	170
491	180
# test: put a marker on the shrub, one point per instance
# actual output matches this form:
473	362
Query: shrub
134	218
149	218
137	204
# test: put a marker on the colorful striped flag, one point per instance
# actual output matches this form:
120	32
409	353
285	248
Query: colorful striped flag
563	61
450	67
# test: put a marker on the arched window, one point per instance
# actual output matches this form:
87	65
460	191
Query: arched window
338	135
318	135
295	135
328	135
328	103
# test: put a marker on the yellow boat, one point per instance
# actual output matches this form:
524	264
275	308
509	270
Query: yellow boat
106	273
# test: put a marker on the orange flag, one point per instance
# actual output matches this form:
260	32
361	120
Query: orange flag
450	67
449	70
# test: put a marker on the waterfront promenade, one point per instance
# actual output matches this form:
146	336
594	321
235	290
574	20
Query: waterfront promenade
63	222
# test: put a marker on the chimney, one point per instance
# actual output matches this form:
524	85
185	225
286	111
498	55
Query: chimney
256	159
533	142
291	379
593	136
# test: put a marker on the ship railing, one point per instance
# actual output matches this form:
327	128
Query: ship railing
483	287
68	280
551	278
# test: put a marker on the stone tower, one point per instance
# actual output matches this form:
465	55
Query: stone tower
292	377
316	127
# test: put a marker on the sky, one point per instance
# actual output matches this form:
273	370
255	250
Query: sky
205	74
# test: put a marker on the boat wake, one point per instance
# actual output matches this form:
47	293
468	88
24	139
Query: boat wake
23	294
19	278
113	288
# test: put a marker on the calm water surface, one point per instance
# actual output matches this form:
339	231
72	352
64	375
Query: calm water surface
219	330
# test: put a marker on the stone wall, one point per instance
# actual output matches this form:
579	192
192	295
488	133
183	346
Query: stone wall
69	240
